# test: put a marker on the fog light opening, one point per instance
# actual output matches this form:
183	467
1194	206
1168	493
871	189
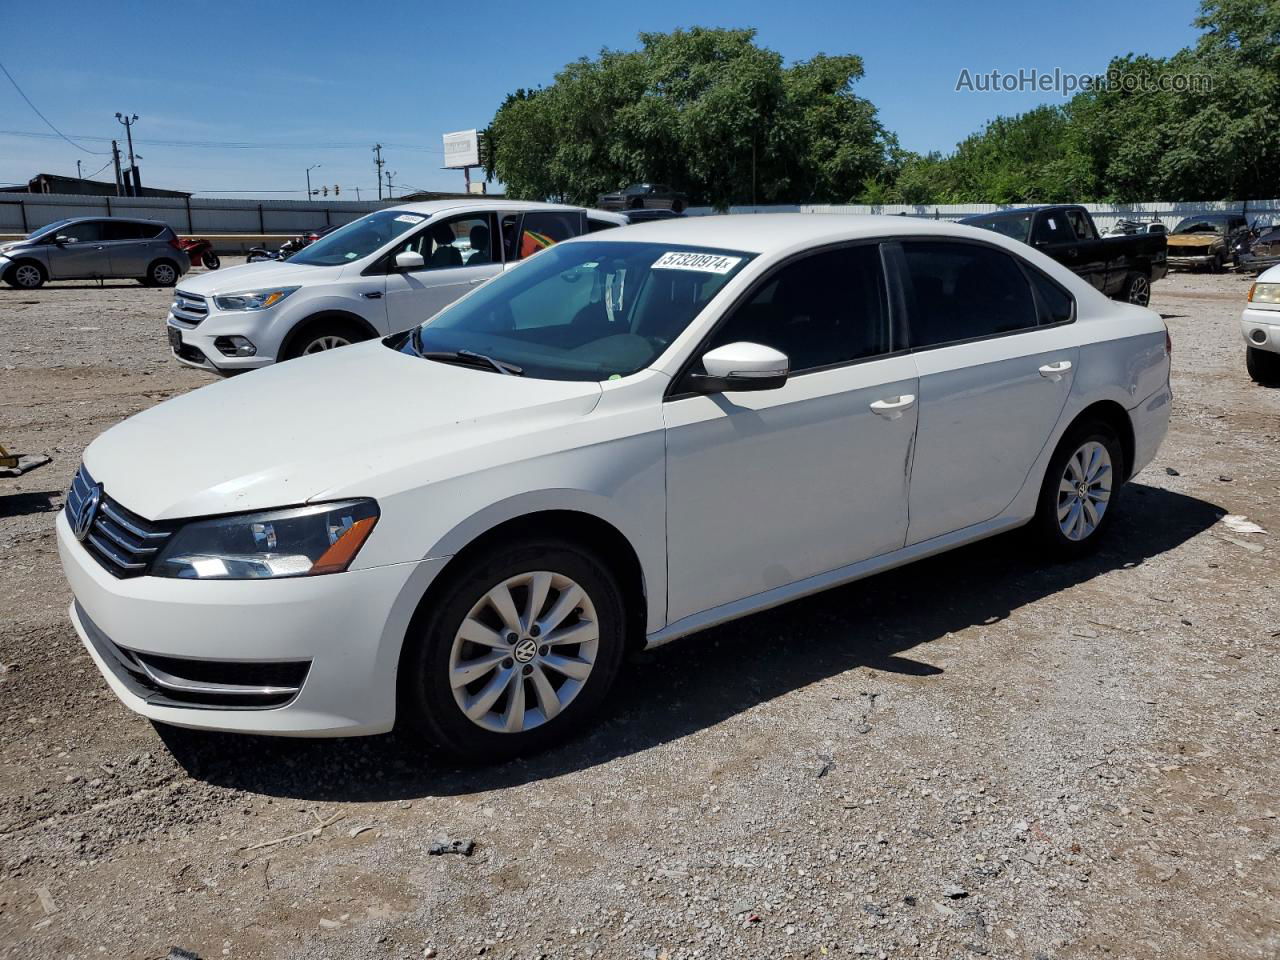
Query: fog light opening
235	346
1258	336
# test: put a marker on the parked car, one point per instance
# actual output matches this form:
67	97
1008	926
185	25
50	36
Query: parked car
1258	247
95	248
644	196
634	436
381	274
1121	267
1130	228
1260	324
604	219
1206	241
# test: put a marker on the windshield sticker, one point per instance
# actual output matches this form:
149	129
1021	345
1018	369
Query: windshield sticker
701	262
409	218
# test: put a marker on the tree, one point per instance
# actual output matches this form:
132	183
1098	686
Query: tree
706	110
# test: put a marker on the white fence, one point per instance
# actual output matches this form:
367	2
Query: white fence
1105	215
20	213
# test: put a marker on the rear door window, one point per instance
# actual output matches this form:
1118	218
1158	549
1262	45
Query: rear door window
129	230
964	291
546	228
1080	224
1051	228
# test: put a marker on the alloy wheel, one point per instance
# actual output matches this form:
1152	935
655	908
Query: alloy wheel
164	274
320	344
1140	291
1084	491
27	276
524	652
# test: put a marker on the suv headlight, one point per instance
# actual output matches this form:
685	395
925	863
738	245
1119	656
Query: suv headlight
1264	293
252	299
296	542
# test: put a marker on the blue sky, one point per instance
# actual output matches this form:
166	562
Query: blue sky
320	82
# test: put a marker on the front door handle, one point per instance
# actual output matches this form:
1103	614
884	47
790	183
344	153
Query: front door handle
894	407
477	280
1055	371
372	295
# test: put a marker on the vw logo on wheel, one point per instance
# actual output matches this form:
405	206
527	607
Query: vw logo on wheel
83	519
525	650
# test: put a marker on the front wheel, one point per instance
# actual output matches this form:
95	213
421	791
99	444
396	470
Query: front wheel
1263	366
1078	497
317	337
26	276
517	650
211	261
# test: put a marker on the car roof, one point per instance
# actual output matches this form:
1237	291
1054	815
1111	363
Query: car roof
775	232
432	207
158	223
1018	211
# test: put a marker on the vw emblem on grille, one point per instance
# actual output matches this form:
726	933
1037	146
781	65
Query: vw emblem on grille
83	519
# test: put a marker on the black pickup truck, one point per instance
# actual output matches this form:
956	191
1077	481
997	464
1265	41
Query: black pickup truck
1121	267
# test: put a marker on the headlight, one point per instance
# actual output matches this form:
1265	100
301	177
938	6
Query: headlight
297	542
253	299
1264	293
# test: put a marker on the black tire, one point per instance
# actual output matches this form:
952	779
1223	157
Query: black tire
1137	289
312	335
426	703
1045	528
211	261
1219	262
162	273
26	275
678	205
1263	366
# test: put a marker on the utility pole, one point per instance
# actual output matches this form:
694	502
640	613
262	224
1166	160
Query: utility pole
357	194
115	158
377	163
390	174
309	169
79	175
136	187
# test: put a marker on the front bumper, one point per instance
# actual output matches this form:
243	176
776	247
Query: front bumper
347	627
1261	329
1193	261
199	349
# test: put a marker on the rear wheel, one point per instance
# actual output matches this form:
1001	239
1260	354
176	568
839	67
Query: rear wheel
162	273
26	276
211	261
1080	490
1263	366
517	650
1137	289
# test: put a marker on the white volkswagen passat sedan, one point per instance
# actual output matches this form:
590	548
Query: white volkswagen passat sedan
630	437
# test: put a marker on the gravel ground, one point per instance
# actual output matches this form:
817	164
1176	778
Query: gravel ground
971	756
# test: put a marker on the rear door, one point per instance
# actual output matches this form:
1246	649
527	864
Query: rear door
82	255
131	244
459	253
1053	235
993	345
1092	252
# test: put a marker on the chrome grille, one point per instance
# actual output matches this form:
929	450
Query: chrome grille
189	308
123	542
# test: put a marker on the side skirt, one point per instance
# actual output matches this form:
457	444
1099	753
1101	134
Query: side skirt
825	581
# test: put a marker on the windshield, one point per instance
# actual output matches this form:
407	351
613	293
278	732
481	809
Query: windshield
1017	226
592	310
47	228
1200	225
358	239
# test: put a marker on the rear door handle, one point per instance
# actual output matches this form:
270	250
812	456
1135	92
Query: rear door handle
894	407
477	280
372	295
1055	371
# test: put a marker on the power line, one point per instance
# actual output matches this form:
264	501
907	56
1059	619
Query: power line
46	119
227	144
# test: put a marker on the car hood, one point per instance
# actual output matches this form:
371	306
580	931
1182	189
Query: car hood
255	276
14	245
348	422
1194	239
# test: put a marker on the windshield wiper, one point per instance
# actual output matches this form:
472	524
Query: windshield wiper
470	356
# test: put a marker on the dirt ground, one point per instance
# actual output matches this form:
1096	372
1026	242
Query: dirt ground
971	756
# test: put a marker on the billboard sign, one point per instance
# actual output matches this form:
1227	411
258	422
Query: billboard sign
462	149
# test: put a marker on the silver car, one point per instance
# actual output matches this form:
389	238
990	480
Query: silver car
94	248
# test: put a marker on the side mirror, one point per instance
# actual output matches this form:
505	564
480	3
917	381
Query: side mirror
60	239
741	366
409	260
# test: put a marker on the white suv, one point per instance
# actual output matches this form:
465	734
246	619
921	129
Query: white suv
378	275
1260	324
